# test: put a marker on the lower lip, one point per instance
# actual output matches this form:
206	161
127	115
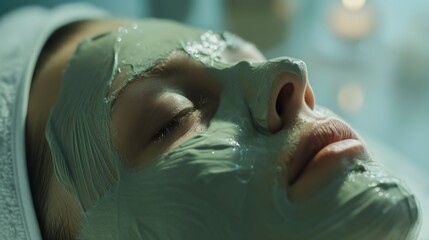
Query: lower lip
331	157
325	166
337	151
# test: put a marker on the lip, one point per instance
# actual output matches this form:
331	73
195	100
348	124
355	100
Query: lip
324	139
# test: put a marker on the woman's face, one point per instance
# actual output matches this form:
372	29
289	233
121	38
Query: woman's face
174	132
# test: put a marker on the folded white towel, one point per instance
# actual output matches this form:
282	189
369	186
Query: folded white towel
23	33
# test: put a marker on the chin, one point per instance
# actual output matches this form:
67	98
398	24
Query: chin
362	202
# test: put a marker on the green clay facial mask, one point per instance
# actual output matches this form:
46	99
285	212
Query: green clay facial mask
222	183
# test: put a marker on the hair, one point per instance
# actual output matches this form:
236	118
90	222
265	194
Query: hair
53	223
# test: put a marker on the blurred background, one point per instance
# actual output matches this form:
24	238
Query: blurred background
368	60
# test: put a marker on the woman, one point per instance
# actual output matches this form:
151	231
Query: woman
149	129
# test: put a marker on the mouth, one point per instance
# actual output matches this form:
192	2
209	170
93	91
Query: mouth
329	139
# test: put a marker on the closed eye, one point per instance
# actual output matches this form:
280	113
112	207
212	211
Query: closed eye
173	124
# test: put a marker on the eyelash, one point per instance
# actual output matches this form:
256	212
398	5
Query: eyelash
173	124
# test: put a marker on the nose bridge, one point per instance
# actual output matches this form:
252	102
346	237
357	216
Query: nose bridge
259	83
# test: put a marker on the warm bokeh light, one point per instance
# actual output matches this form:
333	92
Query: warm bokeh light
353	4
351	25
350	97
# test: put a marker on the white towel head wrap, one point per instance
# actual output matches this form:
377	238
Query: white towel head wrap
23	34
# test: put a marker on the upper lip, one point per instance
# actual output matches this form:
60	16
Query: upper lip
320	134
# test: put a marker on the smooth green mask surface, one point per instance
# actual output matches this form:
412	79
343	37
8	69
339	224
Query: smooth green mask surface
219	184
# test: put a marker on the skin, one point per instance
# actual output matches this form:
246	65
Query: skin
289	117
145	94
45	89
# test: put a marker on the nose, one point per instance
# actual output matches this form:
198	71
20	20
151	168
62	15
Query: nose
277	91
291	94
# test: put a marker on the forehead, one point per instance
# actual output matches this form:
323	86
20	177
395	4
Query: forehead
141	45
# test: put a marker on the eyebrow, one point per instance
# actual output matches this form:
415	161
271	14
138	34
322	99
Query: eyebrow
160	68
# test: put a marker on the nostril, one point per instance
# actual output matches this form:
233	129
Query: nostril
283	97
